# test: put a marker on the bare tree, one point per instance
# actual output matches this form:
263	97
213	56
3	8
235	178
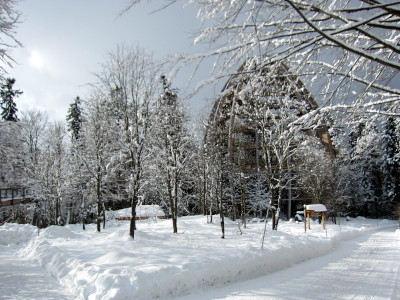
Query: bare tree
9	19
98	139
345	51
11	154
214	170
128	79
48	181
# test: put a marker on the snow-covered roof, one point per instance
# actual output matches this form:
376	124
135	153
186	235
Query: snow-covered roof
316	207
142	211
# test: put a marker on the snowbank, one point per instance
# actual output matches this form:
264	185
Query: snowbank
142	212
159	264
14	234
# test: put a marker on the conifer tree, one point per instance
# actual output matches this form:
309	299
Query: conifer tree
78	176
390	167
170	141
7	95
74	118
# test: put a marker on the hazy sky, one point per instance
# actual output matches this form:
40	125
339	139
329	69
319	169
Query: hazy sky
65	42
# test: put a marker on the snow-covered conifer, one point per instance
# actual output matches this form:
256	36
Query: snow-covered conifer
74	118
7	96
170	138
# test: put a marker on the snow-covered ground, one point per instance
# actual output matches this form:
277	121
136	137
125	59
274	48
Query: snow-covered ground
367	267
160	264
24	279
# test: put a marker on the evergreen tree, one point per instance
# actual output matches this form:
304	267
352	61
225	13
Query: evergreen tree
365	159
390	167
78	175
169	147
74	118
7	95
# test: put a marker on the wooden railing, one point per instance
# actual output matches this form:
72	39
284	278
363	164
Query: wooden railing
12	196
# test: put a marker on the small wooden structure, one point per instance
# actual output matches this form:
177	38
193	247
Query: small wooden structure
13	196
314	209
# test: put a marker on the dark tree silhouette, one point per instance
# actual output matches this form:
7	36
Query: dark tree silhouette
7	95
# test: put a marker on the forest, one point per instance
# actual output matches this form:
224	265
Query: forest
333	66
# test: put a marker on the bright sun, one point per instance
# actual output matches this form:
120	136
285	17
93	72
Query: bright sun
37	60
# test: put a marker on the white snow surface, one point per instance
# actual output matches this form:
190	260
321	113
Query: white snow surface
316	207
142	211
160	264
367	267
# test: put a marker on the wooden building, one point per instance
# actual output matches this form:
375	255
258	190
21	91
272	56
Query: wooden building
251	102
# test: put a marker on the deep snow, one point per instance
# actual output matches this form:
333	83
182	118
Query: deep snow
24	279
367	267
160	264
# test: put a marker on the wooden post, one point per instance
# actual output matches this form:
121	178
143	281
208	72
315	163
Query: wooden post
323	220
305	220
308	220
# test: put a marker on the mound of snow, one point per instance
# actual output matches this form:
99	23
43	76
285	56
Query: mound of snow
58	232
160	264
142	211
14	234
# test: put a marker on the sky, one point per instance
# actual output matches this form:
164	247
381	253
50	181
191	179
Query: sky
65	43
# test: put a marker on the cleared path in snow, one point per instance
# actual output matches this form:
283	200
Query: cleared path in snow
22	279
367	267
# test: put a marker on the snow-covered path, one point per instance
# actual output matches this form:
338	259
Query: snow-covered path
23	279
364	268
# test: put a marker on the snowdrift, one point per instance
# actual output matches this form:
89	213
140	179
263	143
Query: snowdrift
159	264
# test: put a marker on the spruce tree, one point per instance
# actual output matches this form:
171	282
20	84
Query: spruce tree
74	118
7	95
390	167
169	141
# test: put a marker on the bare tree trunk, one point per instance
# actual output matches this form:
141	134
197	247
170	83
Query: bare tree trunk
98	216
132	226
273	209
171	202
99	206
57	221
221	211
83	213
211	215
204	192
104	214
176	202
243	198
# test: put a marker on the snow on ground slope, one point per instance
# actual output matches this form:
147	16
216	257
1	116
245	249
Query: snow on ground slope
22	279
367	267
160	264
